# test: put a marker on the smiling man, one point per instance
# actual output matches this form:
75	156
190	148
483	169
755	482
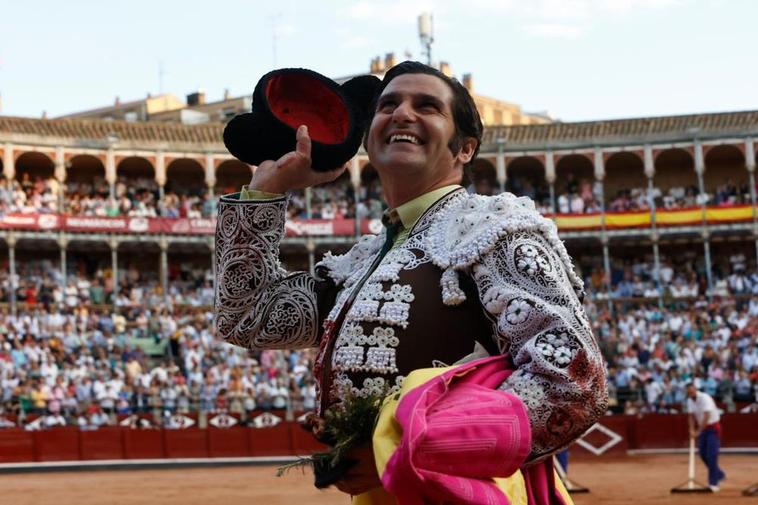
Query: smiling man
453	278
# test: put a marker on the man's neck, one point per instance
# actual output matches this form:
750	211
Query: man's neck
397	192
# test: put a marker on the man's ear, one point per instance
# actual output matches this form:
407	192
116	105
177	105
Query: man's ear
466	152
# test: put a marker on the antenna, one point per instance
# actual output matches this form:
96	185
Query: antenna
426	34
161	73
274	19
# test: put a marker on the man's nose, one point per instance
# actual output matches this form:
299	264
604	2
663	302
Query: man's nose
403	113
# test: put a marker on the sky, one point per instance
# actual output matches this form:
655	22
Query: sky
574	59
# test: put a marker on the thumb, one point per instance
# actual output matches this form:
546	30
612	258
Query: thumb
303	145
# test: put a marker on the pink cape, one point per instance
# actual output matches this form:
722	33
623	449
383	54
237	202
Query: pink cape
459	433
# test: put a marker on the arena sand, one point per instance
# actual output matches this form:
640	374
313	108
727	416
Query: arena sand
632	480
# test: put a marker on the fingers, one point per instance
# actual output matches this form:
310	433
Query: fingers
301	156
303	145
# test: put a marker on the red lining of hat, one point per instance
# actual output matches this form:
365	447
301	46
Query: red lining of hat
300	99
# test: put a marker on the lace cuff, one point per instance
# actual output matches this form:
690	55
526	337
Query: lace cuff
258	305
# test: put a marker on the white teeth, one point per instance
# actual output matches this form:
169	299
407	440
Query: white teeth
404	137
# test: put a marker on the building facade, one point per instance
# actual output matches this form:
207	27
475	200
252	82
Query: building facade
654	157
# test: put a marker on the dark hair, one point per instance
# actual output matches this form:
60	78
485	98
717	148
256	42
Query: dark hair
465	115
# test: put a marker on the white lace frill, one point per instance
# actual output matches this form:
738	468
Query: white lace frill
469	228
341	267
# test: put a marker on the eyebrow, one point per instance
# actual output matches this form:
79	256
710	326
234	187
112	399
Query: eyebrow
416	96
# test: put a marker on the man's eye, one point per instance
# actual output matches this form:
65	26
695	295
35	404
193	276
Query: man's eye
429	106
386	105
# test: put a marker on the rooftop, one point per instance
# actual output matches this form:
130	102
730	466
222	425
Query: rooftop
521	137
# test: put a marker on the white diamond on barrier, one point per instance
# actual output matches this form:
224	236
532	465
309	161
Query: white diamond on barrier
223	421
266	420
614	438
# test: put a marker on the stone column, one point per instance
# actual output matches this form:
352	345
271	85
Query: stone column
210	174
310	245
308	203
163	244
607	268
599	165
113	243
12	264
550	176
63	245
502	175
708	270
657	268
600	176
700	170
649	166
160	177
60	176
110	171
9	163
750	165
355	181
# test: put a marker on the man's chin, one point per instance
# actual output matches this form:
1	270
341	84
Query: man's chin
401	164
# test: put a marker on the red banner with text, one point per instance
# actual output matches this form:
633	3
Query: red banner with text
346	227
181	226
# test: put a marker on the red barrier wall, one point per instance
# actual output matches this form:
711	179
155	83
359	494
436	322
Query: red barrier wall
105	443
274	441
653	432
143	444
69	443
228	443
186	443
57	444
739	430
16	445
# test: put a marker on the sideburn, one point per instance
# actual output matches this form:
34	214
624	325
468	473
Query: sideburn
456	144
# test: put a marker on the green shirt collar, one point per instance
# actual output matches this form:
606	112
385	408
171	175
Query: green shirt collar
412	210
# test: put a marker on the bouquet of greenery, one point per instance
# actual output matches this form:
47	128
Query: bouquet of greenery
347	425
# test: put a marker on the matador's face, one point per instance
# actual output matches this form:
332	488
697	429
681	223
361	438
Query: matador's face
412	128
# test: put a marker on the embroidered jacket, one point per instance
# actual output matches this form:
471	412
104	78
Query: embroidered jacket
474	269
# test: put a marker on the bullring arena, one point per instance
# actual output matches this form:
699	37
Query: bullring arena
639	479
107	352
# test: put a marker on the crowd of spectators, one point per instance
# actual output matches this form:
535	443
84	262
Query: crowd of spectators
653	353
679	197
538	191
28	194
581	196
338	200
140	197
78	360
83	362
41	283
681	276
81	352
136	197
71	357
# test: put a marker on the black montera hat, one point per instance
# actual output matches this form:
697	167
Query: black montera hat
336	117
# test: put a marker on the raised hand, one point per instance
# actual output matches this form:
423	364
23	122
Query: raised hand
293	170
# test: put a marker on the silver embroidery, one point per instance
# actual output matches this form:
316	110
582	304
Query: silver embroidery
522	273
257	305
